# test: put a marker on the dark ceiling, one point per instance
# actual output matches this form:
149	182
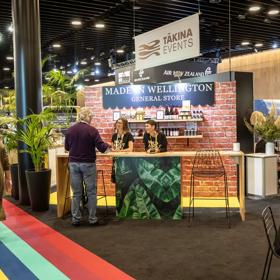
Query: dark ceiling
122	21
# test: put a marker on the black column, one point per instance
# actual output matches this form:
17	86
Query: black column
28	73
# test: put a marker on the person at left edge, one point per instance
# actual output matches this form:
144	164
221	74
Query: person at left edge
81	140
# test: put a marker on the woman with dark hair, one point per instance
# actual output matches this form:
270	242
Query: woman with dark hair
122	140
154	141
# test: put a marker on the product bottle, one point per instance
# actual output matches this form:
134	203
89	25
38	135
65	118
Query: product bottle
166	112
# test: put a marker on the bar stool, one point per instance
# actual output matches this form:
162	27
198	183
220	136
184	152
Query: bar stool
103	195
84	198
273	239
208	164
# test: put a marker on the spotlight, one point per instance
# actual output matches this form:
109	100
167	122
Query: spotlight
273	12
245	43
119	51
259	45
11	28
75	70
76	22
100	24
275	46
56	46
254	8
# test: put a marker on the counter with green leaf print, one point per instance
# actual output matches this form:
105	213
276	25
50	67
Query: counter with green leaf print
148	187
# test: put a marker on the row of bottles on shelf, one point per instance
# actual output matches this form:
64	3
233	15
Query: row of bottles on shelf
174	113
179	132
170	113
169	132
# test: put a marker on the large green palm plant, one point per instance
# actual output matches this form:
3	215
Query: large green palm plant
36	134
9	133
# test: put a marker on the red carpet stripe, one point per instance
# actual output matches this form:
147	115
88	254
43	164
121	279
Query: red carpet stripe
69	257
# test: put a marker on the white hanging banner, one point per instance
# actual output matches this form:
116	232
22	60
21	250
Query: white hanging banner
175	41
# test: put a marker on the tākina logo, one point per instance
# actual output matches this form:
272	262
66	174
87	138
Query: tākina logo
149	49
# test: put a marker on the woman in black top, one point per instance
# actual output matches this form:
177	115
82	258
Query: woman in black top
154	141
122	140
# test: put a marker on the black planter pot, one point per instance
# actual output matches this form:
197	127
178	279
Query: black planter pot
14	175
39	185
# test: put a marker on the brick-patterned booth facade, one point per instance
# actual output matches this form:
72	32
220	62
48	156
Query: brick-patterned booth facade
218	129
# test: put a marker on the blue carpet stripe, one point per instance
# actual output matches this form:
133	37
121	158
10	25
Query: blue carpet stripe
13	268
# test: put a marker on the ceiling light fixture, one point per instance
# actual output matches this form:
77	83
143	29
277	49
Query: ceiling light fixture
69	72
259	45
9	58
75	70
92	73
96	80
76	22
6	69
87	80
273	12
245	43
100	24
83	62
97	63
6	87
120	51
11	28
56	46
254	8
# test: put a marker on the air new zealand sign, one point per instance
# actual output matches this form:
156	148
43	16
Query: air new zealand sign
158	95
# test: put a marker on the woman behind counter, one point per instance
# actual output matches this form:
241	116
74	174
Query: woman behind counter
154	141
122	140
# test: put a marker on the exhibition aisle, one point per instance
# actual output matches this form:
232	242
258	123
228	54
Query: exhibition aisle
157	249
30	249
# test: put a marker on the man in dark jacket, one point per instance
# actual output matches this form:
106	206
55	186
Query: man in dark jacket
81	141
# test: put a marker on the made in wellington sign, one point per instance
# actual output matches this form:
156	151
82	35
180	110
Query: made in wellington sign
158	95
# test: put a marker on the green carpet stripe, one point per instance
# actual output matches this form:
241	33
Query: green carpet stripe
29	257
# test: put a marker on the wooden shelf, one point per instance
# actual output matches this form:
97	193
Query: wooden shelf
176	137
166	121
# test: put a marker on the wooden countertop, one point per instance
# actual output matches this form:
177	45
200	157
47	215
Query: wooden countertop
166	154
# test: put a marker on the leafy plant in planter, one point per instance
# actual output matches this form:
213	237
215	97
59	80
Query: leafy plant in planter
36	134
9	136
265	127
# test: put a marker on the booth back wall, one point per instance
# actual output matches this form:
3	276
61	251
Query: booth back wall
218	129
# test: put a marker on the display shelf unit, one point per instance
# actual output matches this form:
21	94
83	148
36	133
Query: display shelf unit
166	121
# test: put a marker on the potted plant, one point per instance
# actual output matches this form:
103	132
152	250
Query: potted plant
36	133
266	127
10	139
